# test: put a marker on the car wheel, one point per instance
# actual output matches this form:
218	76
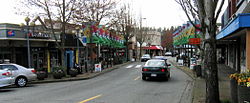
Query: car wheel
21	81
144	78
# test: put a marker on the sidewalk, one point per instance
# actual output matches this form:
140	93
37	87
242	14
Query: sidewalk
199	89
83	76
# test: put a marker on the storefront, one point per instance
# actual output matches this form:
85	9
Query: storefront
236	40
14	47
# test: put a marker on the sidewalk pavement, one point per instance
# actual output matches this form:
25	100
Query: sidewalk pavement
199	89
83	76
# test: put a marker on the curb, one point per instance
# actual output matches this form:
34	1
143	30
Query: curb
90	76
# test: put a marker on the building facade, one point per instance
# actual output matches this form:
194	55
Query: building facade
234	38
14	46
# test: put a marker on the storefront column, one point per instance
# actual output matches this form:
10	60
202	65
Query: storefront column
248	49
48	61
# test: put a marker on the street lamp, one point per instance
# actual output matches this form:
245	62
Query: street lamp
27	20
77	31
141	40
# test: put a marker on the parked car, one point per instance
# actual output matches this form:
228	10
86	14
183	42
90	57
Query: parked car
145	57
156	68
5	78
168	54
20	74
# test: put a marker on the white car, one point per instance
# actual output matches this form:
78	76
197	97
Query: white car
5	78
168	54
145	57
20	74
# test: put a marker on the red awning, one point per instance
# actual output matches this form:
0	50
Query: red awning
154	48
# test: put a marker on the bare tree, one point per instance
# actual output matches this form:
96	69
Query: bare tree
125	24
142	37
94	10
59	11
207	12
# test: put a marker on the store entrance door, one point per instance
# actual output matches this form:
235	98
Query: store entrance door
37	59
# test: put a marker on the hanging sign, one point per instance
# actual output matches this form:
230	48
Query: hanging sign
194	40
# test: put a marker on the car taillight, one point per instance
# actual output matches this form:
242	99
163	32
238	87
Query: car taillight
145	69
6	74
163	70
33	71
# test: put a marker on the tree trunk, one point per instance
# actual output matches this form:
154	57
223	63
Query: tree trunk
140	51
210	66
127	51
63	38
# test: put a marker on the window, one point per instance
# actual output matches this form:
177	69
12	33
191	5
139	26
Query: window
155	63
10	67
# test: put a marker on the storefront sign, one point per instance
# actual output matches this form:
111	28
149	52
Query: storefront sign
194	41
10	33
39	35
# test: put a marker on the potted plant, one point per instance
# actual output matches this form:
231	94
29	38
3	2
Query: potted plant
243	87
58	72
73	72
41	74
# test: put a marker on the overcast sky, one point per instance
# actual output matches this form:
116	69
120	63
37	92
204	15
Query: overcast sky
158	13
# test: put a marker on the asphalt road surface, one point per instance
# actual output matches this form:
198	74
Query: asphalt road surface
123	85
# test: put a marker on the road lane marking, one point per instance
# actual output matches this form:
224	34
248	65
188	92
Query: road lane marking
137	66
129	66
86	100
137	78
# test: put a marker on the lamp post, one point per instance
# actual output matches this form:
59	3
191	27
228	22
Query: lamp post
27	20
141	40
78	32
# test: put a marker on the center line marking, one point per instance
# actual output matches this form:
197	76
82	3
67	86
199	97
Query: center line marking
86	100
137	78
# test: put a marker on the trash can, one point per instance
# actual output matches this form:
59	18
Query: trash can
197	69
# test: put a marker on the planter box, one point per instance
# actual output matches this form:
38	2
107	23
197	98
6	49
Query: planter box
58	75
73	73
41	75
234	90
243	94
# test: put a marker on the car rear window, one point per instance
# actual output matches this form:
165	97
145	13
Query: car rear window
155	63
10	67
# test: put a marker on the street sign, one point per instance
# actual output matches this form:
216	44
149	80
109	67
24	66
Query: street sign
98	68
194	40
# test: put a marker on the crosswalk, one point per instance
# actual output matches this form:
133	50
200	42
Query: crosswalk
134	66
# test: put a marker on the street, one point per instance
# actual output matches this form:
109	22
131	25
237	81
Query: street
123	85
